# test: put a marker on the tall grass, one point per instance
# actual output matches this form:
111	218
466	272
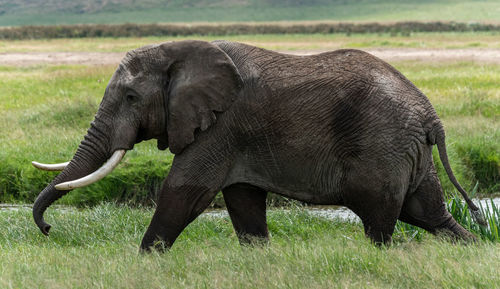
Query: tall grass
491	213
98	248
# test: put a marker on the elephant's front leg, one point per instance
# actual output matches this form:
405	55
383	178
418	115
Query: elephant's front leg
178	205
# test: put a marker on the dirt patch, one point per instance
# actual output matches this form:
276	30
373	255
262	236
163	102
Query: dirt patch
113	58
430	55
84	58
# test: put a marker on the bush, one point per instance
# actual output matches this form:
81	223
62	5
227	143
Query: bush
484	162
140	30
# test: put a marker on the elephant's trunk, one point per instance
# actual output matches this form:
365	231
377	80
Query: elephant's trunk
92	152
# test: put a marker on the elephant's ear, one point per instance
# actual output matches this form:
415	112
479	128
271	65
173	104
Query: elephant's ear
202	80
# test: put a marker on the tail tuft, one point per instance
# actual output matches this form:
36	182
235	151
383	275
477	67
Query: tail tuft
478	217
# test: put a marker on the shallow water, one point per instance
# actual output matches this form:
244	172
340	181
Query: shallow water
17	207
329	212
343	213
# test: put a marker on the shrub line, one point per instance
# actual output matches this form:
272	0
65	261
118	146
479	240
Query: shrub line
168	29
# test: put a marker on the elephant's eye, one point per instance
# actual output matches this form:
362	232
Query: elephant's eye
131	98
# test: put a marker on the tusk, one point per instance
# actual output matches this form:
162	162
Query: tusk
50	167
107	168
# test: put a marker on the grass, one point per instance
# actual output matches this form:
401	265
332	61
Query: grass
253	10
97	248
285	42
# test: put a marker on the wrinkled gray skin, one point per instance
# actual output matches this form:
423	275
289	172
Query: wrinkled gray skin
338	128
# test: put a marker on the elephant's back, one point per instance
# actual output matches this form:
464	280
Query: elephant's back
347	97
338	95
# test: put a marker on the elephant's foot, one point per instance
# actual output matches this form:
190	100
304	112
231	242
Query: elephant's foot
425	208
152	242
380	233
246	205
378	221
443	225
455	231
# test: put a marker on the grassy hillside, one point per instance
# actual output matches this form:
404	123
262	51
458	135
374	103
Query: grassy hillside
39	12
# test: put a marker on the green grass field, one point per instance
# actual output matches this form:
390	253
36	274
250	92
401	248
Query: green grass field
65	12
284	42
98	248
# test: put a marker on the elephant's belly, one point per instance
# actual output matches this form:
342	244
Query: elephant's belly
304	183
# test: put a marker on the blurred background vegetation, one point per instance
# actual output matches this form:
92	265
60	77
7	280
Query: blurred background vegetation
51	12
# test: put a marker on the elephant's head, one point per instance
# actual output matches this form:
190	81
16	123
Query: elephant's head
165	92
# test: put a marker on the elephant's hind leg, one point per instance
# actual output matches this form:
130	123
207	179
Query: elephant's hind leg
246	205
425	208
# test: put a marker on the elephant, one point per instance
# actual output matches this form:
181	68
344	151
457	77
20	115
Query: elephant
336	128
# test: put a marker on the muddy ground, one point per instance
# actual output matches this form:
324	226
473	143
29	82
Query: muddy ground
113	58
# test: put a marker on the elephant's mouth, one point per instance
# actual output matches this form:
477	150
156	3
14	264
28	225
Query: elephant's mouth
97	175
162	143
162	140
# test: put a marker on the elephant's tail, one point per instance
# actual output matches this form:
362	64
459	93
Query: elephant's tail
437	136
